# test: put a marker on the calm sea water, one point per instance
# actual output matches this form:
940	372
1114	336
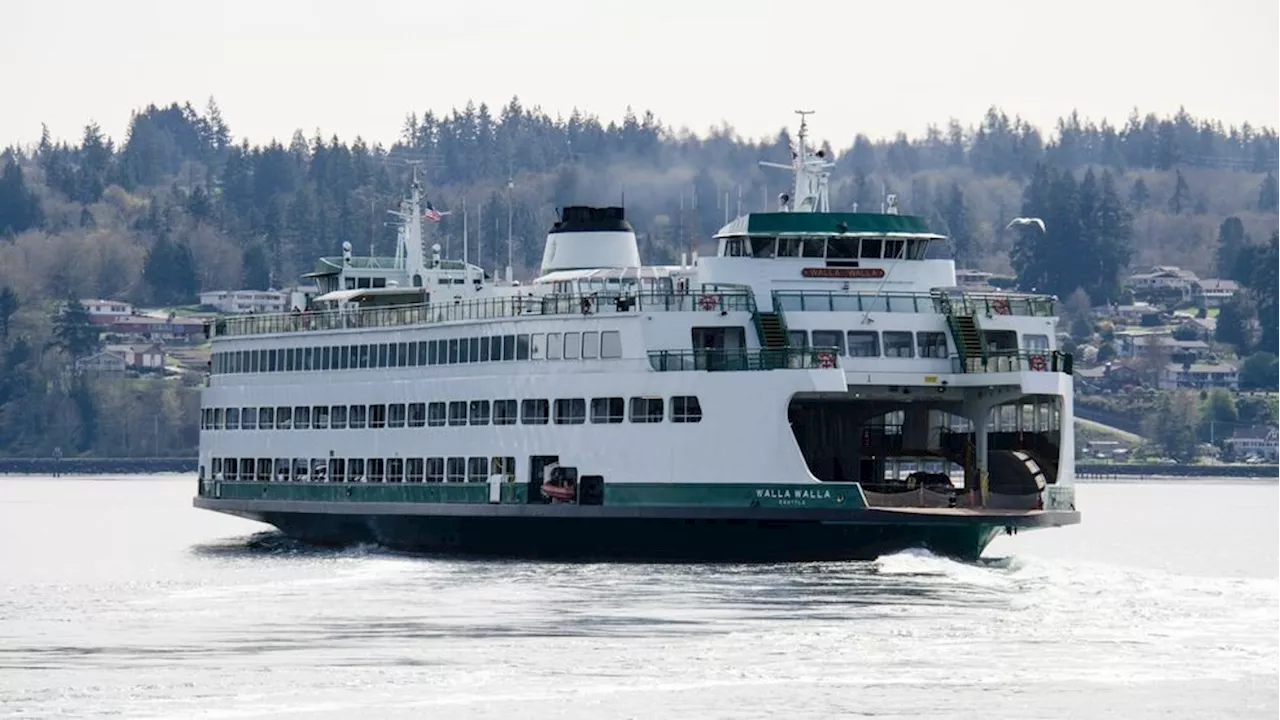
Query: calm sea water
118	599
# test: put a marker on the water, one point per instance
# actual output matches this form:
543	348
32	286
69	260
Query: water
117	599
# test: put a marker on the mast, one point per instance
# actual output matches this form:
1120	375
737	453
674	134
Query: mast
809	193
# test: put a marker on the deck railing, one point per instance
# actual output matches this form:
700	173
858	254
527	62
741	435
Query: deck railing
906	302
1016	361
707	299
736	360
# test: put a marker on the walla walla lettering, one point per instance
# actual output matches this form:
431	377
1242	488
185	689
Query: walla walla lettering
837	272
797	494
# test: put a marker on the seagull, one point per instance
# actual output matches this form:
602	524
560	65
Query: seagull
1026	221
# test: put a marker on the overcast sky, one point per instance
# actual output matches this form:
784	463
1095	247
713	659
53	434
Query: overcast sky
357	68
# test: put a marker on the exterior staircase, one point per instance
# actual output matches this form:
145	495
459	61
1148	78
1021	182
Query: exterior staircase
963	323
772	329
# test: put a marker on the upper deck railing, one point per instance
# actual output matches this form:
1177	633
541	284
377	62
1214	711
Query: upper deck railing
958	302
708	298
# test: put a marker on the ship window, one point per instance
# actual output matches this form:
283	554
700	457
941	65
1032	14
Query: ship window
377	416
457	470
407	356
464	351
916	248
842	248
288	361
351	284
572	346
537	346
457	413
266	418
422	352
356	417
435	414
763	247
432	352
509	347
320	417
1035	342
733	247
505	466
453	353
338	417
554	347
813	247
610	344
479	412
393	355
435	469
367	353
264	470
376	466
271	361
379	282
378	355
571	411
534	412
395	470
484	344
590	345
475	349
325	354
504	412
355	469
871	247
246	470
897	344
894	249
233	418
788	247
341	358
395	415
477	469
253	361
302	418
218	420
829	339
646	410
337	470
608	410
798	338
248	418
417	414
495	348
864	343
931	344
685	409
522	347
311	359
414	470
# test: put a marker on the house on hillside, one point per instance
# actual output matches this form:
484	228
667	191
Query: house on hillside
1213	293
1162	280
139	356
1139	313
1135	345
1200	377
1262	442
246	301
105	312
104	361
144	327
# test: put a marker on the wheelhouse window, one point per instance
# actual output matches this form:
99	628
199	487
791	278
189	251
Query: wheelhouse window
646	410
763	247
608	410
864	343
685	409
898	344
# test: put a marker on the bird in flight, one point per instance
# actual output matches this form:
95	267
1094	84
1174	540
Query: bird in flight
1026	221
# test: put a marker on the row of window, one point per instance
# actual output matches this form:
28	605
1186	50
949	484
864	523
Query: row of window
589	345
364	470
890	343
531	411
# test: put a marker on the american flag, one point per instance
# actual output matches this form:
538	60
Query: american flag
432	214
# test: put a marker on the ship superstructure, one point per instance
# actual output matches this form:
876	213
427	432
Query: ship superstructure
820	388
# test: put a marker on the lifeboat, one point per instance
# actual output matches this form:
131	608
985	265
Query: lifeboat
562	490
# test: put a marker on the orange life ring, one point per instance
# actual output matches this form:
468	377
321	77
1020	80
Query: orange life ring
1038	363
708	302
1000	306
826	360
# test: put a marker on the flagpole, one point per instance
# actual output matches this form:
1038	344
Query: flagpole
464	228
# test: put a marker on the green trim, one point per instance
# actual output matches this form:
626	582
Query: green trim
846	496
825	224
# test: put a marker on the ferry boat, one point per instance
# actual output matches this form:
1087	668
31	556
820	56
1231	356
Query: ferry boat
819	389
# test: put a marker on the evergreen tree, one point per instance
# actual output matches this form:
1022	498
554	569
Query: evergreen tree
1173	425
74	330
19	207
959	227
1181	197
1236	320
1264	286
1231	240
1269	194
9	305
1139	195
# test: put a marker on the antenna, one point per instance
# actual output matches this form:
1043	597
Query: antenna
810	171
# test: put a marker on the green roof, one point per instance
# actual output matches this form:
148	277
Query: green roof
810	223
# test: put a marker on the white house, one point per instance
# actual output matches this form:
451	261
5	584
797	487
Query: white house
1163	279
246	301
1200	377
139	356
1260	442
1213	293
105	312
